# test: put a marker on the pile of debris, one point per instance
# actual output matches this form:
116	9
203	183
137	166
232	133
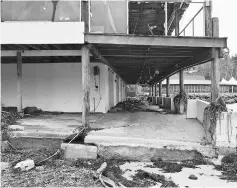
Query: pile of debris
131	105
228	167
8	117
230	99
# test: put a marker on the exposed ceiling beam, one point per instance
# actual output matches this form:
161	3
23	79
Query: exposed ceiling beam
29	53
156	40
96	53
148	56
34	46
189	62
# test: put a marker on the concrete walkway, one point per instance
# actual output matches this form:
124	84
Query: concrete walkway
124	124
150	125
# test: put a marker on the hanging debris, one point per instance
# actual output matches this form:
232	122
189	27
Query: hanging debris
211	114
180	102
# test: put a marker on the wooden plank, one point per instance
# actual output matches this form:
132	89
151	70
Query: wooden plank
39	53
181	81
19	82
85	14
177	19
148	56
215	69
96	53
168	87
166	18
85	87
200	58
160	88
208	18
155	40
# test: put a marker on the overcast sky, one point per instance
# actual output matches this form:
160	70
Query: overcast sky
226	11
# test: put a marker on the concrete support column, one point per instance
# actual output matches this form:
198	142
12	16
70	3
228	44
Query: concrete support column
85	87
160	89
19	82
167	87
215	70
155	90
181	81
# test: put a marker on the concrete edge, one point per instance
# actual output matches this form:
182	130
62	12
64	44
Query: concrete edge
24	134
136	142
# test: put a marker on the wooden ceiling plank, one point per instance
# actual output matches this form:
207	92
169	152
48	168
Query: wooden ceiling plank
95	52
189	62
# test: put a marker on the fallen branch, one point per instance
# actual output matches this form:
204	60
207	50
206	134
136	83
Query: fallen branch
105	181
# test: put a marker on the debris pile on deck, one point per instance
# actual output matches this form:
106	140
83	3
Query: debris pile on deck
131	105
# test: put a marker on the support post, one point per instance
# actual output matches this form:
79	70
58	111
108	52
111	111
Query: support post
160	89
85	14
167	87
208	18
152	90
166	18
85	87
19	82
155	90
215	63
177	18
181	81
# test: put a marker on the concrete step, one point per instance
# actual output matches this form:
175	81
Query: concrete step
32	140
140	149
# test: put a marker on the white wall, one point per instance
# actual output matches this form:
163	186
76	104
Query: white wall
191	109
233	107
55	87
201	105
42	32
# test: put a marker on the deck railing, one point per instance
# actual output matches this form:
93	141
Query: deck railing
192	21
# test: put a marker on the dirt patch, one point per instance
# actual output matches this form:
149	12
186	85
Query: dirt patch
228	167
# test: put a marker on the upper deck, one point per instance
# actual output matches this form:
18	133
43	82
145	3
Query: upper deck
133	37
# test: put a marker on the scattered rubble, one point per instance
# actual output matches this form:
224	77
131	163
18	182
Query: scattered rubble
52	171
15	128
193	177
131	105
155	178
4	146
172	167
25	165
32	111
4	165
8	117
228	167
